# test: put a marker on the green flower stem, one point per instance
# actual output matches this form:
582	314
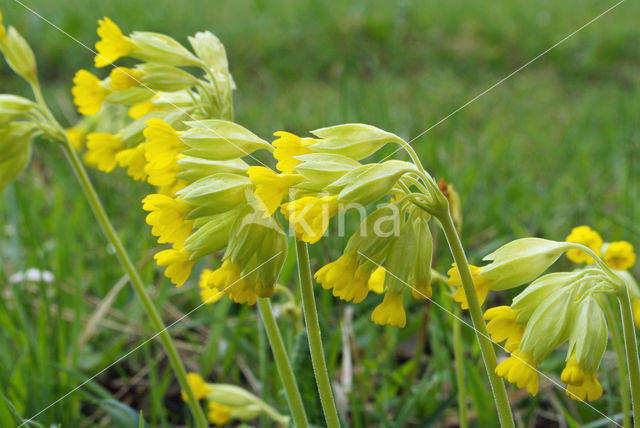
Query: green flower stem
618	345
486	347
282	363
459	357
315	340
138	285
632	351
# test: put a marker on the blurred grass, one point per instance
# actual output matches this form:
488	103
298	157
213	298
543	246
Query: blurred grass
555	146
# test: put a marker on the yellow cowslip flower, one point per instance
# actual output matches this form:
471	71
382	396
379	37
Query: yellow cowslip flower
112	45
102	149
124	78
287	146
218	414
228	279
390	311
134	160
310	216
573	372
502	326
138	110
348	281
198	385
589	389
88	93
3	32
270	188
589	238
75	135
520	368
168	218
208	294
421	291
178	263
163	143
376	280
620	255
635	304
482	285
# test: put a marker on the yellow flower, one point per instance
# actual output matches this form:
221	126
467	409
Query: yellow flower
287	146
573	372
348	281
590	389
635	304
134	160
421	291
168	218
502	326
140	109
589	238
88	93
208	294
102	149
620	255
482	285
75	136
162	150
270	188
390	311
124	78
218	414
178	264
228	279
198	385
310	216
3	33
112	45
520	368
376	280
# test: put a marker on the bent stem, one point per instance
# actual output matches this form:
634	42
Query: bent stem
315	340
631	345
137	283
618	345
486	347
282	364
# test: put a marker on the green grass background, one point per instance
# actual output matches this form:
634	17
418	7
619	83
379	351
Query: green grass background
555	146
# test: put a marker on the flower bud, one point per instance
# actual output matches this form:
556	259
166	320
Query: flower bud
424	255
13	107
589	334
216	193
19	55
15	146
212	235
321	169
220	140
160	48
540	291
521	261
243	405
401	259
194	169
209	49
355	140
375	182
166	78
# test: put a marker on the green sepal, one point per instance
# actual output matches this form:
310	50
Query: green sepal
355	140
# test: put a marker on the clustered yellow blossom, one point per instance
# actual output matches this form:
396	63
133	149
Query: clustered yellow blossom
589	238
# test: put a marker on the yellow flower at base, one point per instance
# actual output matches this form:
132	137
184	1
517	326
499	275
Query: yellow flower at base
390	311
310	216
481	284
88	93
620	255
421	291
635	305
228	279
376	280
112	45
270	188
135	162
75	136
520	369
138	110
102	149
178	264
287	147
573	372
502	326
590	389
218	414
124	78
198	385
168	218
209	295
589	238
348	281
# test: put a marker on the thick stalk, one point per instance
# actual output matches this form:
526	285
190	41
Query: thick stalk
282	364
315	340
136	281
618	346
459	356
631	345
486	347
